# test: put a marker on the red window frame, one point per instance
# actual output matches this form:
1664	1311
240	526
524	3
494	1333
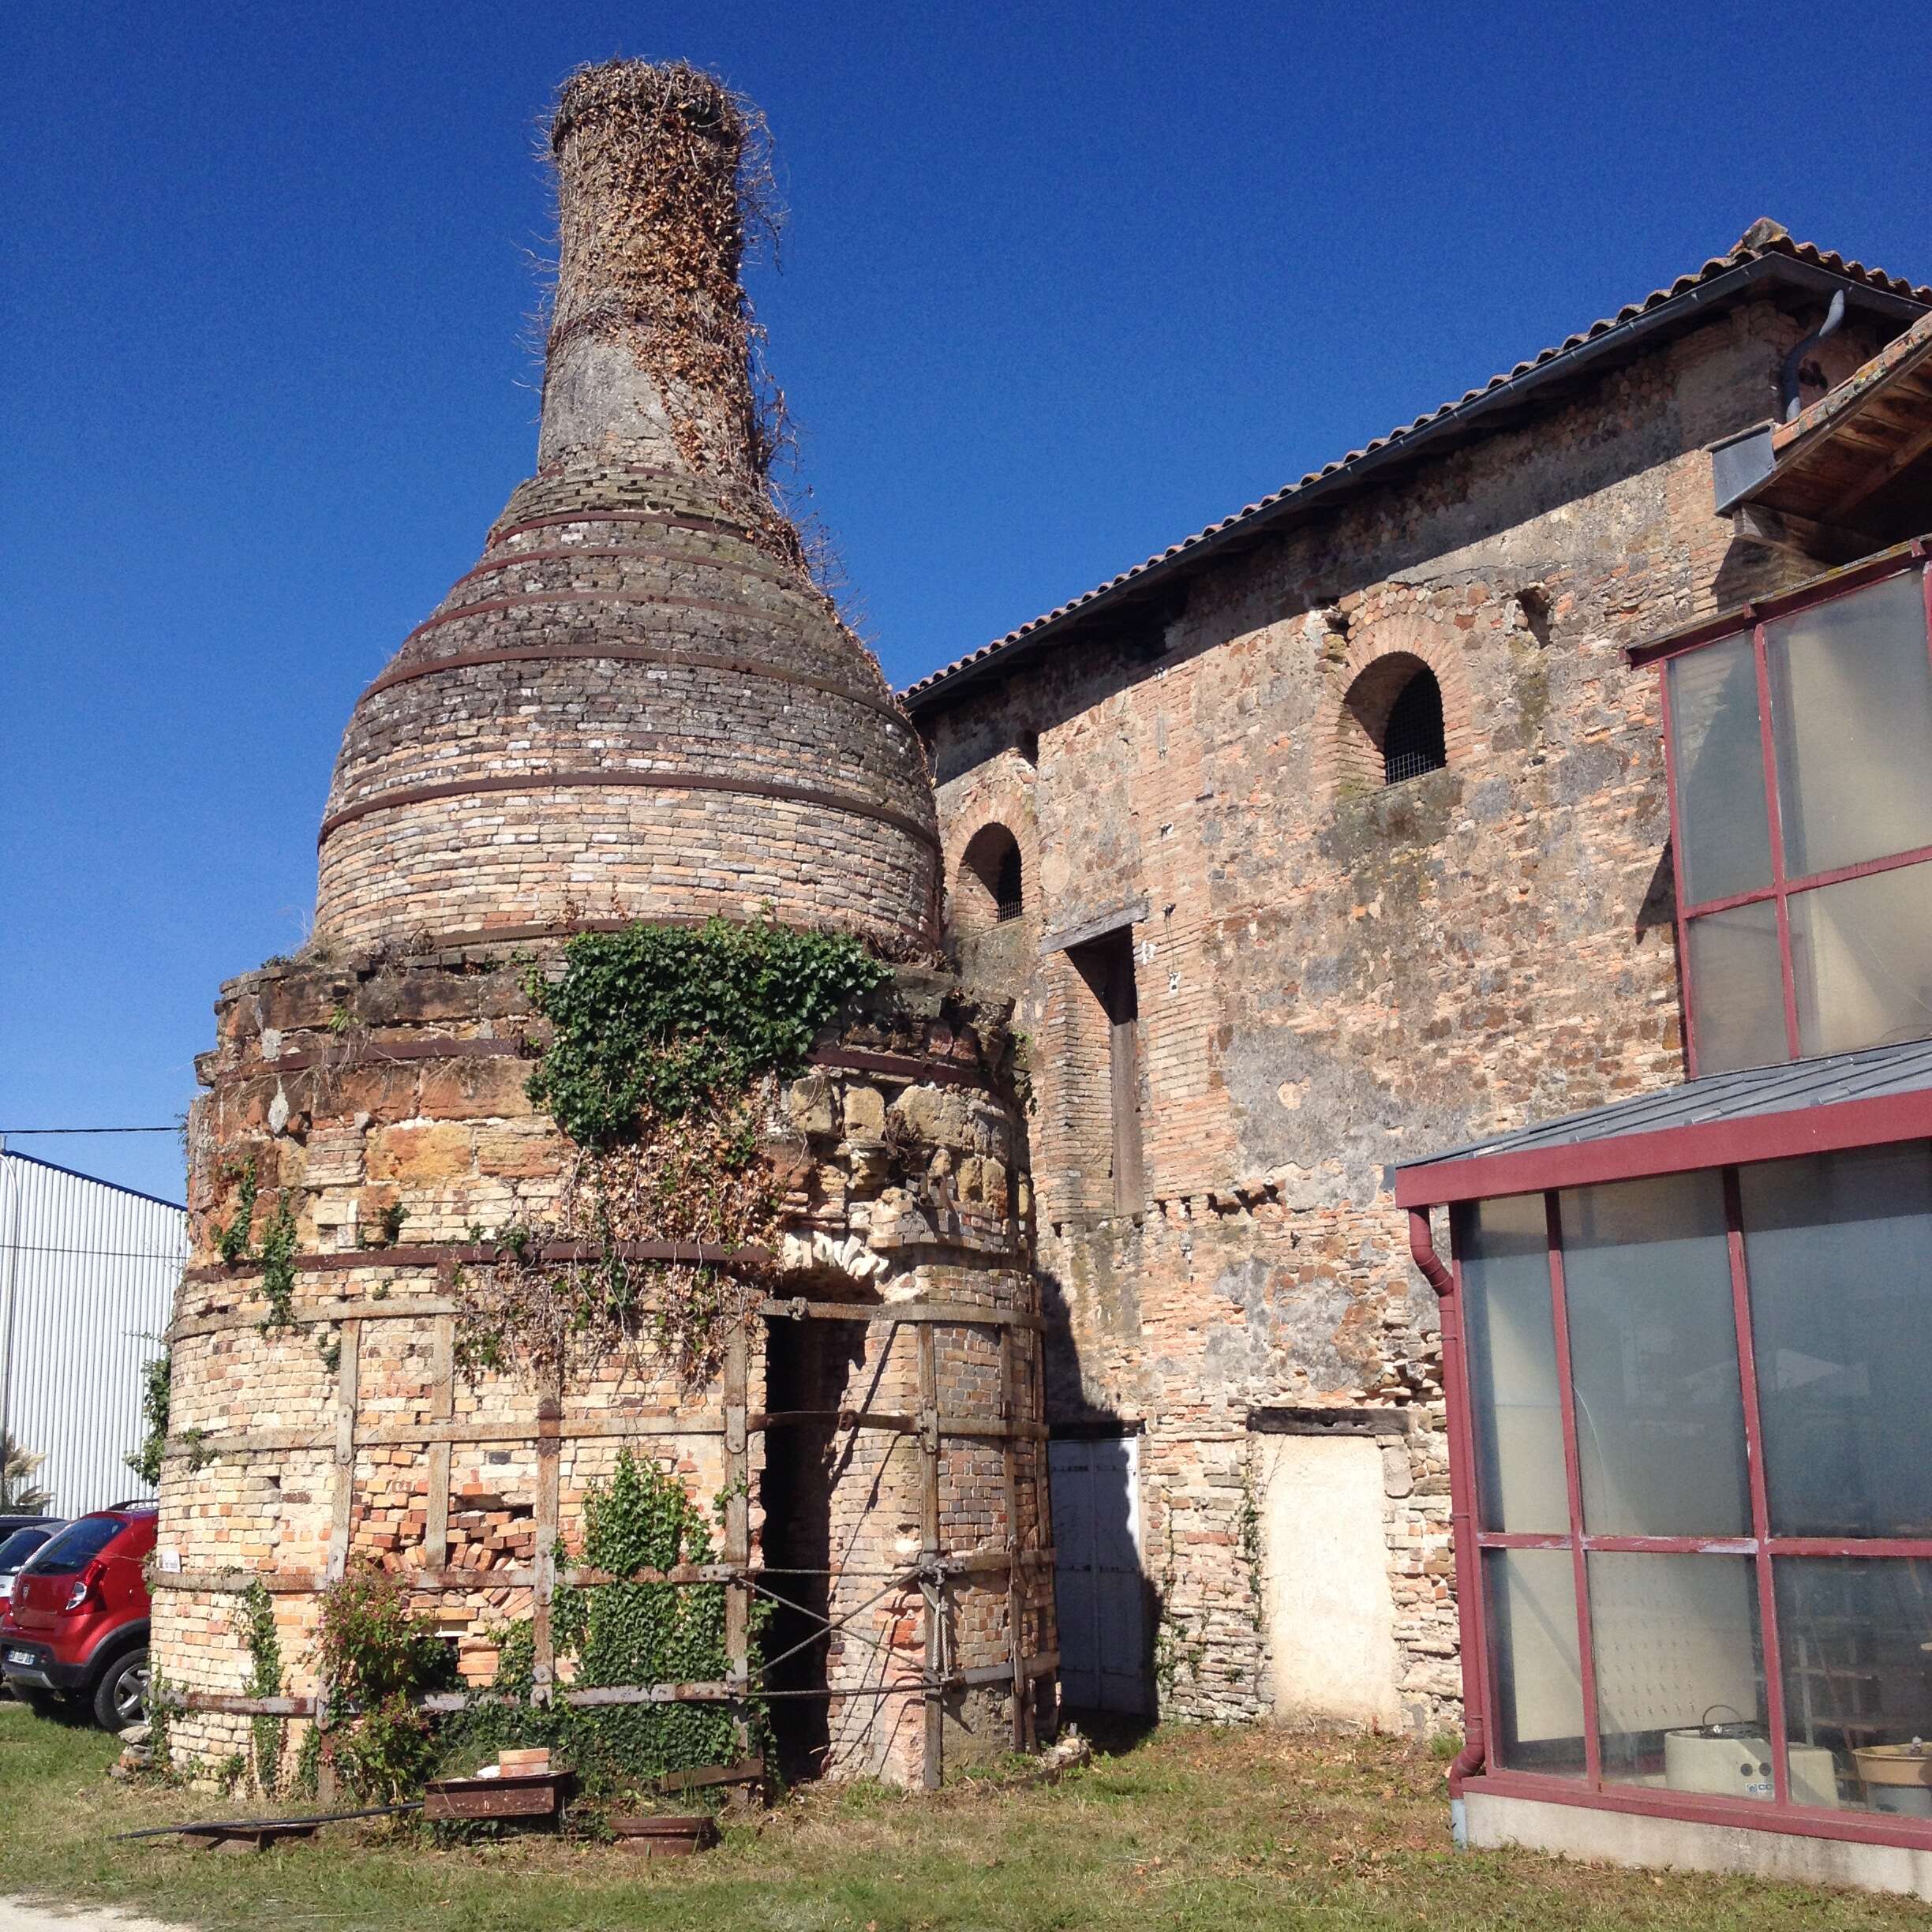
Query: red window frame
1782	888
1564	1170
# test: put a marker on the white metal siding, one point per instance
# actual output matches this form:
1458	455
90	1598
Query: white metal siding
88	1274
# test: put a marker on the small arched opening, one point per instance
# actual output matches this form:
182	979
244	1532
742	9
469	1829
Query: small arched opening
1391	726
991	887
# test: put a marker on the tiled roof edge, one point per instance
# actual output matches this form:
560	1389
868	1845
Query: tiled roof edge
1686	287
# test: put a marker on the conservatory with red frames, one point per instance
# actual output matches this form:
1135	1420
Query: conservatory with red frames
1687	1338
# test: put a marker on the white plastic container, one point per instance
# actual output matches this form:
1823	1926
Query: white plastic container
1734	1760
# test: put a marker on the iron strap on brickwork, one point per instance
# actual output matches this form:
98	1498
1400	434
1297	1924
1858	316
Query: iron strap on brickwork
618	778
407	673
933	1574
512	1046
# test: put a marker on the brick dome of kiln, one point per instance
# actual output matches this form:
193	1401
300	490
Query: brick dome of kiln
638	704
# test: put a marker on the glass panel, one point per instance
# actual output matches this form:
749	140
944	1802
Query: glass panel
1852	1637
1737	988
1679	1673
1852	716
1862	960
1837	1246
1538	1724
76	1547
1717	757
15	1549
1659	1414
1504	1247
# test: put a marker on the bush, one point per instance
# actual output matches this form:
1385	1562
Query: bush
377	1659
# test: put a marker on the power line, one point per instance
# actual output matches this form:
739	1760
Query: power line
23	1132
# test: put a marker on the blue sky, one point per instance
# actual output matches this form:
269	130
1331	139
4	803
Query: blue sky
1060	285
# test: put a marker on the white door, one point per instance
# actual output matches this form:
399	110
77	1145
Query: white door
1099	1582
1324	1580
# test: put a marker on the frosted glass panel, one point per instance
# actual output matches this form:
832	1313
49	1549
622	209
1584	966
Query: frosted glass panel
1839	1248
1858	1689
1503	1249
1851	718
1659	1415
1717	756
1862	960
1737	988
1680	1676
1533	1657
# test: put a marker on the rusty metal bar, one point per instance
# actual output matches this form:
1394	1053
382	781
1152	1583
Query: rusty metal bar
932	1767
620	778
449	1701
625	654
889	1313
737	1522
898	1424
403	1435
442	1409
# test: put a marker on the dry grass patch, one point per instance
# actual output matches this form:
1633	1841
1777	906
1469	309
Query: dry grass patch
1211	1830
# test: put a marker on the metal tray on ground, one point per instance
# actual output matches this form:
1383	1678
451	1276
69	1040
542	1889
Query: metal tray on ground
533	1795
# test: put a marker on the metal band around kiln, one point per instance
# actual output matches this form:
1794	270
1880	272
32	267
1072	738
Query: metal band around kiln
662	781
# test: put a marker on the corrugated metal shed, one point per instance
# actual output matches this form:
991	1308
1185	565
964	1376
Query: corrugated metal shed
88	1273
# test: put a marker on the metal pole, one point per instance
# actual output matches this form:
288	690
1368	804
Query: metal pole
6	1321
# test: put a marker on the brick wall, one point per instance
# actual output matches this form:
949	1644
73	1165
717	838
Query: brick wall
636	706
1333	974
357	1086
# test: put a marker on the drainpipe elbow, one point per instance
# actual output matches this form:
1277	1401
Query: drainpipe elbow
1422	1252
1469	1761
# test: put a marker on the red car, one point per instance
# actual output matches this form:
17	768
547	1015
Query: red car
77	1625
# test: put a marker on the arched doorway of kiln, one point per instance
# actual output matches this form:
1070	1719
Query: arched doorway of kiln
815	1369
1391	729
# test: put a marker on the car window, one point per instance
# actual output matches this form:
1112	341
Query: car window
15	1550
76	1546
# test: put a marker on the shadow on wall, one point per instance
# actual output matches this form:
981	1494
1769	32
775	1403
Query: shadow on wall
1108	1606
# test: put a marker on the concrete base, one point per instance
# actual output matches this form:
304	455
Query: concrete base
1626	1838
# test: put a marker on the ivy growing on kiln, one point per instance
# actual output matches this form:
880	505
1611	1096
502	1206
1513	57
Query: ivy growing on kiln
632	1633
663	1043
660	1020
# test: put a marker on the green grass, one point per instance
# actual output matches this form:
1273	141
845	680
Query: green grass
1210	1830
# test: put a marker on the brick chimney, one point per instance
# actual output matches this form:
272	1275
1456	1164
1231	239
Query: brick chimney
638	705
647	359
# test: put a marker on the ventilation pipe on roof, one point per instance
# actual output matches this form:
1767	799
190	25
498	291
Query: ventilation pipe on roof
1787	379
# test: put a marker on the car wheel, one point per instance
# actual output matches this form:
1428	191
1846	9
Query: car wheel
120	1699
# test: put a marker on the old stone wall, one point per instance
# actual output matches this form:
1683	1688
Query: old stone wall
360	1090
1332	974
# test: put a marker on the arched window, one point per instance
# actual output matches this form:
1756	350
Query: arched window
991	887
1412	740
1391	725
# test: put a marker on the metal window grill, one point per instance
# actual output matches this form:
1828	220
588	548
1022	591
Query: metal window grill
1411	742
1008	888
